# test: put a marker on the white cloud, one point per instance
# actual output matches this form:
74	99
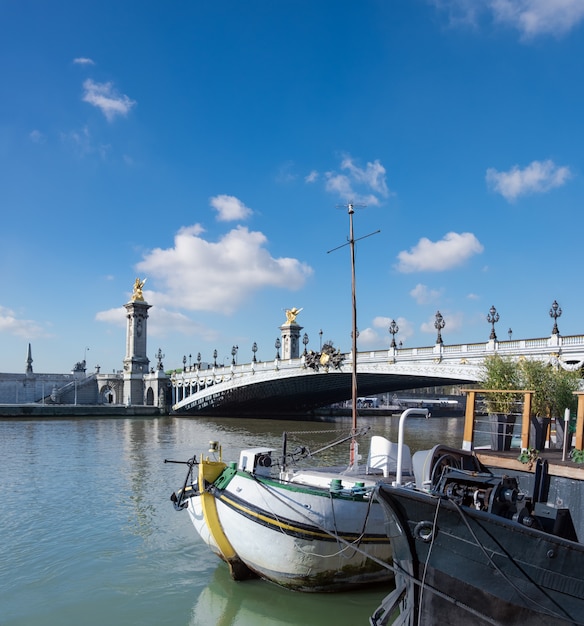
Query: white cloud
286	173
229	208
368	338
530	17
436	256
28	329
161	322
377	336
373	175
83	61
82	143
104	97
452	322
405	328
424	295
36	136
360	185
200	275
312	177
537	177
116	316
539	17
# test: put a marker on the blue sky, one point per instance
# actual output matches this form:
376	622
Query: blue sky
207	146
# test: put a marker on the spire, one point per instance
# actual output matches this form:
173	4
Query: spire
29	361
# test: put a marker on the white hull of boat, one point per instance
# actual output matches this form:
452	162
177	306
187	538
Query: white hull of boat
297	535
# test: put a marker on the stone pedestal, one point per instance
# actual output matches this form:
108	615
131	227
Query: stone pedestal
136	362
290	340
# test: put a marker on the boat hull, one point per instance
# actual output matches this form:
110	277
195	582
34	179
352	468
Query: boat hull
299	536
480	568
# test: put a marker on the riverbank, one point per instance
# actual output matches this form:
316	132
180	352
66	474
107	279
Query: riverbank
77	410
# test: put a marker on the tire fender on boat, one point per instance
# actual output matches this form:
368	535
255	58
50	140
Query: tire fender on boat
424	531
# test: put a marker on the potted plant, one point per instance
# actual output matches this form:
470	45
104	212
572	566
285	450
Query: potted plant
554	393
537	376
501	375
564	384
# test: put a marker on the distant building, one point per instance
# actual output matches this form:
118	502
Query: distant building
135	385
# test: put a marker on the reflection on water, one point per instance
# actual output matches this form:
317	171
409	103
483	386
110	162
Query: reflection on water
89	534
224	603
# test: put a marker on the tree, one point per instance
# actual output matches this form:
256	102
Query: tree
500	374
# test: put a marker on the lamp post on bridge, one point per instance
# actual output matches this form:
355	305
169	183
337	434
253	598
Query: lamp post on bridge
198	360
555	312
393	329
305	342
510	333
185	363
320	335
234	350
214	358
492	319
439	325
277	345
254	349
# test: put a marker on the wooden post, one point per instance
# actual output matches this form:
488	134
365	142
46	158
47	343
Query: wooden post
467	442
526	420
579	421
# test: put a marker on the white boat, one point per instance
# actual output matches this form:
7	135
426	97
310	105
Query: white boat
309	530
306	529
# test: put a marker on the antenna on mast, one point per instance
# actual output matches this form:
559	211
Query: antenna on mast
351	242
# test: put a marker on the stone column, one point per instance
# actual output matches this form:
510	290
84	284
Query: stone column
136	361
290	341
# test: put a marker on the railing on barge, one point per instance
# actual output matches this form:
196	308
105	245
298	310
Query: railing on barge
472	418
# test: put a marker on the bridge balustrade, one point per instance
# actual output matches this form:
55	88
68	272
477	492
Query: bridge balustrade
387	361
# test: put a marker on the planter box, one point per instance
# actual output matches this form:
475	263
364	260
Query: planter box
538	432
501	431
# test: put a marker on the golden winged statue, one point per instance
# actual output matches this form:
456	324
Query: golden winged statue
137	295
291	315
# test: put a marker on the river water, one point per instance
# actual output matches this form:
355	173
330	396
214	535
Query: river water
89	535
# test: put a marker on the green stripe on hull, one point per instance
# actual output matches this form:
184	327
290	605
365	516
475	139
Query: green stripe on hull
292	527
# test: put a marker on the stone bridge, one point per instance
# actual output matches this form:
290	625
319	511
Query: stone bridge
292	386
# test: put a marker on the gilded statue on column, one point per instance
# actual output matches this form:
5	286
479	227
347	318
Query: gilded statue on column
291	315
137	295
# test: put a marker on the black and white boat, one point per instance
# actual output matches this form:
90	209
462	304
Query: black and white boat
476	542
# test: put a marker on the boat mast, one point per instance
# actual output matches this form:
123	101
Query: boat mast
352	456
354	332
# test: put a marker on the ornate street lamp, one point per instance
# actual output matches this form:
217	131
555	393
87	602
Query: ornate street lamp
190	361
198	360
510	333
393	329
492	319
320	335
254	349
439	325
214	358
555	312
159	357
305	342
185	363
234	350
277	346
